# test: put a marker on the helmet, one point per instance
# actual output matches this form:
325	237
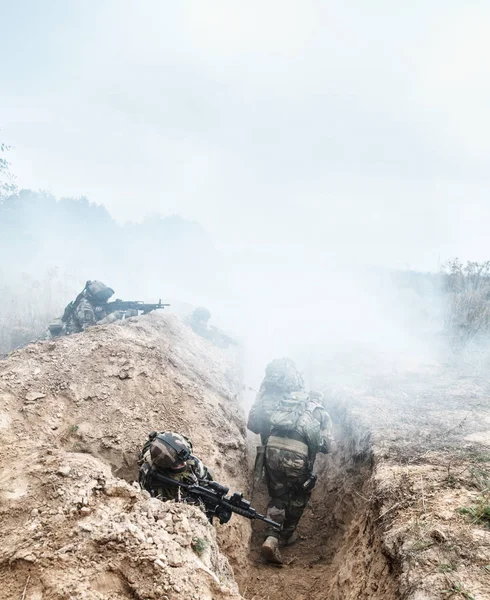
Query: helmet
98	291
170	450
283	374
317	396
201	314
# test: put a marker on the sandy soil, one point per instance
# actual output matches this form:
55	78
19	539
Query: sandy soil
398	511
73	415
387	519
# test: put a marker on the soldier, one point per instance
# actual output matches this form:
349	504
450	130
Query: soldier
281	377
88	308
170	454
300	428
199	323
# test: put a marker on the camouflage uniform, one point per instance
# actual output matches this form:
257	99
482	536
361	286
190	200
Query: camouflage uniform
281	377
195	470
198	322
286	471
85	314
190	471
89	308
289	460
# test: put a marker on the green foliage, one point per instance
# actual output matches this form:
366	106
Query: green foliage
199	545
478	514
482	458
459	588
447	567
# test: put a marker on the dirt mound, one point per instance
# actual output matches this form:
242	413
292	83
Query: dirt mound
339	553
401	510
73	415
420	430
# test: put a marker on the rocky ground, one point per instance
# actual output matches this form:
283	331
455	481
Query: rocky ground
400	511
74	414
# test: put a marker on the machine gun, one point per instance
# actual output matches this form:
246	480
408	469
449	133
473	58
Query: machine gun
137	305
216	503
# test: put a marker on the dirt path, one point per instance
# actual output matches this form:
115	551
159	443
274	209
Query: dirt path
308	564
388	518
338	553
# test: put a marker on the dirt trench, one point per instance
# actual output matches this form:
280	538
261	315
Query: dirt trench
339	554
384	521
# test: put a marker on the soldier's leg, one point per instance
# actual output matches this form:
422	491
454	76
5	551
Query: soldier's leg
298	499
278	498
276	511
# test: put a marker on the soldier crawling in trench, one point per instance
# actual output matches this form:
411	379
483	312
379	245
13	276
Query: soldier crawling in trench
169	454
298	427
169	471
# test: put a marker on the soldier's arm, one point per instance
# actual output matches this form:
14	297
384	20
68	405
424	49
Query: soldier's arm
117	315
85	314
200	469
327	439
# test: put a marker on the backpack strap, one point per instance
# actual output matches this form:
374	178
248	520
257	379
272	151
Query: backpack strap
72	305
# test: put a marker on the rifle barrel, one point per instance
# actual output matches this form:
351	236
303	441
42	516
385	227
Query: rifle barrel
200	491
269	522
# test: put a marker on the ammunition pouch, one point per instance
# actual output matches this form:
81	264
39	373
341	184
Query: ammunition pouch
280	443
309	484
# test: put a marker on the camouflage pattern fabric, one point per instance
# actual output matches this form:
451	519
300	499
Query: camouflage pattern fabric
286	471
84	314
281	377
195	470
260	413
289	464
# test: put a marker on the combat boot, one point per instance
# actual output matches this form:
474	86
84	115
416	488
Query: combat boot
290	541
270	551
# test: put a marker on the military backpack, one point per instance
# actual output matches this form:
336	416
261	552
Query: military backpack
295	414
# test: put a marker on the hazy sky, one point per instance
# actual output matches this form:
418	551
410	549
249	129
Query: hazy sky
327	128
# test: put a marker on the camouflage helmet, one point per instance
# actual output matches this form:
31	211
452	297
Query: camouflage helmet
98	291
169	450
283	374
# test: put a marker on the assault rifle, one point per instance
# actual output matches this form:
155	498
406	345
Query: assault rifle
132	305
216	503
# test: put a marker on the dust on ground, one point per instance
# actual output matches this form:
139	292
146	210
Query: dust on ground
397	512
74	414
394	512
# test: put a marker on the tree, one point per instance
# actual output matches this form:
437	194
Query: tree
7	180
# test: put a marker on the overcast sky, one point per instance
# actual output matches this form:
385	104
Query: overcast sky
327	128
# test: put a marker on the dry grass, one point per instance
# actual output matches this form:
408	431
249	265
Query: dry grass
28	305
468	307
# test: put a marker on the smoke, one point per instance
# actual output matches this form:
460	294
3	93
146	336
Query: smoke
283	300
319	314
313	157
